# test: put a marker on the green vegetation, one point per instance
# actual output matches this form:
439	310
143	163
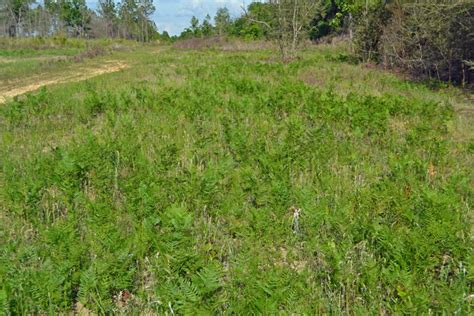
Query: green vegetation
169	186
126	19
430	39
35	59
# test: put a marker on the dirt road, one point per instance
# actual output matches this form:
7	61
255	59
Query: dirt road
19	88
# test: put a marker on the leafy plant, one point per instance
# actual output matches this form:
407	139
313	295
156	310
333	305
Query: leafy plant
171	188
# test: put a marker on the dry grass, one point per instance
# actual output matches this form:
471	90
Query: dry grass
222	44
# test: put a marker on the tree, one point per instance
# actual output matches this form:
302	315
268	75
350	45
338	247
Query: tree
187	33
53	7
75	15
108	11
327	19
128	18
369	19
16	12
165	36
287	22
207	29
195	26
40	21
145	10
432	39
249	25
222	21
135	19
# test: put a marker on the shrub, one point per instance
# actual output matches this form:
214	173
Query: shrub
429	39
369	23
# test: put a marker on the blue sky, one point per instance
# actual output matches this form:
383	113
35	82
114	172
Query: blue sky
174	15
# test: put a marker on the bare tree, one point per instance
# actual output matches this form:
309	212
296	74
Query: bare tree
287	22
17	11
433	39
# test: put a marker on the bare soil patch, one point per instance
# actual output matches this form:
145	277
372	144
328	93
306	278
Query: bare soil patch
82	74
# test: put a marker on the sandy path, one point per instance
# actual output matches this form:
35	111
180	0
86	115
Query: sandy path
87	73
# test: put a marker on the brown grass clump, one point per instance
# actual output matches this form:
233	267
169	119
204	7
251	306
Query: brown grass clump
222	44
198	43
90	53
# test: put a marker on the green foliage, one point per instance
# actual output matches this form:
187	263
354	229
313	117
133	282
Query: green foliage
238	27
429	39
207	28
222	21
168	187
437	48
251	29
135	19
130	19
74	14
327	20
370	20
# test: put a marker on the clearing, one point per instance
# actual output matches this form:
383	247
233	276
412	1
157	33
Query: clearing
170	187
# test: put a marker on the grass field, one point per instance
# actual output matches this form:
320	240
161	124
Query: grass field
169	187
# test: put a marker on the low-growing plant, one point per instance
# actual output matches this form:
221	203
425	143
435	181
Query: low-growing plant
171	188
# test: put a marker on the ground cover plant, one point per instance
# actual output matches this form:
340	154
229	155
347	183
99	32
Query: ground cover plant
170	187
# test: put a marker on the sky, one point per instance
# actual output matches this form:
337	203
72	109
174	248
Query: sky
174	16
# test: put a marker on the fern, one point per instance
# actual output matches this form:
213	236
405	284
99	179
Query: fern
188	292
194	218
3	302
208	279
88	285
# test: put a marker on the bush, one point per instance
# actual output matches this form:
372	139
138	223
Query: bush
369	23
431	39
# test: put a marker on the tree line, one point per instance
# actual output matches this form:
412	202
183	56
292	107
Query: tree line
257	17
428	38
130	19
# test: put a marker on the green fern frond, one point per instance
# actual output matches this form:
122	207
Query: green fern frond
208	279
3	302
